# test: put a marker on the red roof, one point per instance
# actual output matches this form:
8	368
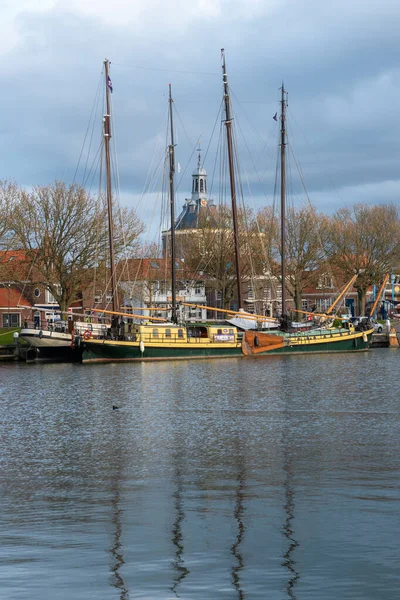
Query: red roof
14	299
9	255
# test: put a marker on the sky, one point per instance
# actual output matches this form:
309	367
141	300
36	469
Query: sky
339	61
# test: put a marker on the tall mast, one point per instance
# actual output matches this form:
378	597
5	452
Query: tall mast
107	137
228	124
172	207
283	197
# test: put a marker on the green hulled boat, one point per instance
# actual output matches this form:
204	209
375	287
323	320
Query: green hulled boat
157	340
168	342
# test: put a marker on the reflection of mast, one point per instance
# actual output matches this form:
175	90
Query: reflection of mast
288	532
116	550
177	537
238	515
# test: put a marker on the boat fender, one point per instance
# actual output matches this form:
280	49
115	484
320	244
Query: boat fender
40	334
141	346
256	342
87	335
365	337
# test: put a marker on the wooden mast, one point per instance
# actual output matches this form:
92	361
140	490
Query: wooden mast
172	208
228	125
107	137
283	198
342	293
378	297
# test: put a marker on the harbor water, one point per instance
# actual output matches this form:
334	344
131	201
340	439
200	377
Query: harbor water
213	479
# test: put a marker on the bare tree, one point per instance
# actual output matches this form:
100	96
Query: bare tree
366	240
62	230
210	249
306	246
8	195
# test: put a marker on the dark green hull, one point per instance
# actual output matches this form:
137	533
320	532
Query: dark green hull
114	351
107	352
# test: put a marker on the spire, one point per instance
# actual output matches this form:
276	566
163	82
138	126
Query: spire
199	157
199	183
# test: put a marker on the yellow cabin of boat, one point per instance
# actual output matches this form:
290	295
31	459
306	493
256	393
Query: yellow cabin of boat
170	333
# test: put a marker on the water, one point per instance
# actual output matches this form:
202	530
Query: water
240	479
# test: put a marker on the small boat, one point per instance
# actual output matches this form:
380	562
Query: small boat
55	343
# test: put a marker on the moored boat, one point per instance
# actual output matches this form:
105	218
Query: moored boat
165	341
168	341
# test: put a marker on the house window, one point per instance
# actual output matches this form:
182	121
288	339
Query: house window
14	319
304	305
325	281
201	185
36	292
323	304
267	293
49	298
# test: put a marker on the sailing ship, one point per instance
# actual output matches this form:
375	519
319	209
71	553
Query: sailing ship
157	339
54	341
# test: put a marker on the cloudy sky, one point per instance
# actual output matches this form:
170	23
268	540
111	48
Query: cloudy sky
339	61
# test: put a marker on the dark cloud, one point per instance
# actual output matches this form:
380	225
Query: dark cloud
339	62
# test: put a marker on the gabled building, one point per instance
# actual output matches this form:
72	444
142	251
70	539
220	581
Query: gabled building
146	283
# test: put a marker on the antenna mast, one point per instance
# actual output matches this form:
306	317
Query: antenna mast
228	125
107	137
283	198
172	208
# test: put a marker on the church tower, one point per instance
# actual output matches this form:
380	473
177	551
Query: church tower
198	203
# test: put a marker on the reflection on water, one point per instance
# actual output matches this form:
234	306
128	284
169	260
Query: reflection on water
215	480
238	516
116	550
177	537
288	530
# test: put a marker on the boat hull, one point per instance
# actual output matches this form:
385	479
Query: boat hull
317	341
49	346
46	339
96	351
102	351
